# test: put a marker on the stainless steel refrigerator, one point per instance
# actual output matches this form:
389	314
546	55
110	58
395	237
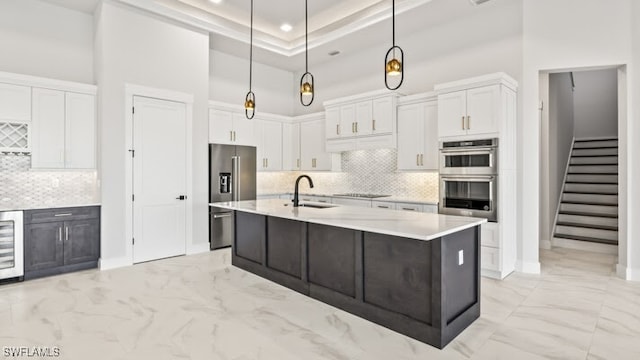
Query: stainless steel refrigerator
232	177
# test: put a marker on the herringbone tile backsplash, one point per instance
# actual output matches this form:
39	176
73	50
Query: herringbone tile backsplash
363	171
21	187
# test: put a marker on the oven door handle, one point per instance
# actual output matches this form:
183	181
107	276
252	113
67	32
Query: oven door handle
469	150
475	178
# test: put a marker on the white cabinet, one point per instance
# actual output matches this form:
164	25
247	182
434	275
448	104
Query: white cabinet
63	130
418	136
80	131
383	205
15	102
290	146
269	145
227	127
312	148
332	122
366	121
311	198
409	207
429	208
469	112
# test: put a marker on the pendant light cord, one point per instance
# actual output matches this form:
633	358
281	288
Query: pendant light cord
393	21
251	49
306	36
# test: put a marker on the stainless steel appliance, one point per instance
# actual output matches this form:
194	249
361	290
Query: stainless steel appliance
469	178
232	177
472	157
469	196
11	245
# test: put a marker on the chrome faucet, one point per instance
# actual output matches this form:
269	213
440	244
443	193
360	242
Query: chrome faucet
296	201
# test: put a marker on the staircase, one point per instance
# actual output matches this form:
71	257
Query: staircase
589	206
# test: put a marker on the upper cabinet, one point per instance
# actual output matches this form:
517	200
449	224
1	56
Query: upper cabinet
230	127
15	103
469	112
365	121
418	134
63	130
313	156
269	144
291	146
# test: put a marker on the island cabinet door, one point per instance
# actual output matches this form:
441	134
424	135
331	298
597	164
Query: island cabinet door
332	258
398	275
286	240
250	236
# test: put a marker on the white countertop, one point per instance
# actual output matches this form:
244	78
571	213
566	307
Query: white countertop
415	225
390	198
16	206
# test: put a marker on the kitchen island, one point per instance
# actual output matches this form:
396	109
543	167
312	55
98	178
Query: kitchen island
415	273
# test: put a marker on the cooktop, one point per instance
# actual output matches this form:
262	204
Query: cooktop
366	196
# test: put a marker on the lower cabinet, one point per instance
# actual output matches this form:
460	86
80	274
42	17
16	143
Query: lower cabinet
61	240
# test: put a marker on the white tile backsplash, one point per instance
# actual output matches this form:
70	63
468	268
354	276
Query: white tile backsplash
363	171
21	187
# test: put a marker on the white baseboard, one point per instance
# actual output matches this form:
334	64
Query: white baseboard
107	264
528	267
198	248
545	244
494	274
627	273
585	246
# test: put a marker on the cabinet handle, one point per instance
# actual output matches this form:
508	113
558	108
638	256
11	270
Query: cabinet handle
337	129
66	233
267	160
356	127
234	135
417	159
298	163
408	209
468	122
374	124
463	123
230	135
60	234
383	206
65	214
421	159
314	162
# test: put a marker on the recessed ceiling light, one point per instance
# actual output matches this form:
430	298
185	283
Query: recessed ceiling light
215	1
286	27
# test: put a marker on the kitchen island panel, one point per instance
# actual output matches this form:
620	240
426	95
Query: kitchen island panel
285	242
332	258
398	275
250	236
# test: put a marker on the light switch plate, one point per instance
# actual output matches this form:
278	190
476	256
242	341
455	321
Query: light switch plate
460	257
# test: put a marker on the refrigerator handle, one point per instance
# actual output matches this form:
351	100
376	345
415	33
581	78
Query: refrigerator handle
235	170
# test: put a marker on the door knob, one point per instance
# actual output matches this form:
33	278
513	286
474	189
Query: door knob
181	197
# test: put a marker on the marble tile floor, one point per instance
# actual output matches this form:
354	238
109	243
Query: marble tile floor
200	307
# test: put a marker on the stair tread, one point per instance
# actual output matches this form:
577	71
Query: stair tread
589	226
582	213
591	193
589	203
586	238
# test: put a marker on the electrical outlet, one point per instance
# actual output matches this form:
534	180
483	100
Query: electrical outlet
460	257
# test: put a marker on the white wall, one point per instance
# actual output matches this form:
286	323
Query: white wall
560	133
489	40
135	48
630	266
564	34
40	39
596	103
229	82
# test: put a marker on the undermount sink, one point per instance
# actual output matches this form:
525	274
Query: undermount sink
315	206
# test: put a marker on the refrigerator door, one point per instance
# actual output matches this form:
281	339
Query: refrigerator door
220	171
246	182
221	228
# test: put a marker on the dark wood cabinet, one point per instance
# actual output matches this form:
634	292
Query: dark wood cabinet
61	240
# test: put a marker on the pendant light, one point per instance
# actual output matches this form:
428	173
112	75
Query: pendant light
393	66
250	98
306	81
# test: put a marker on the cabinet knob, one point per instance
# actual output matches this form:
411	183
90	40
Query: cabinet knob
181	197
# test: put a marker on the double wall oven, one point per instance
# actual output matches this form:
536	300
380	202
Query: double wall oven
469	178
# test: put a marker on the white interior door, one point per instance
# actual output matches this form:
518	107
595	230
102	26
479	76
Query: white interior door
159	179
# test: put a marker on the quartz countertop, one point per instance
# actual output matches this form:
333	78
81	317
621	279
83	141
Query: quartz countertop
415	225
15	206
391	198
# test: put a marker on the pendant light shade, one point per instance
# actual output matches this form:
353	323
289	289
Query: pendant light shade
394	59
306	81
250	98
